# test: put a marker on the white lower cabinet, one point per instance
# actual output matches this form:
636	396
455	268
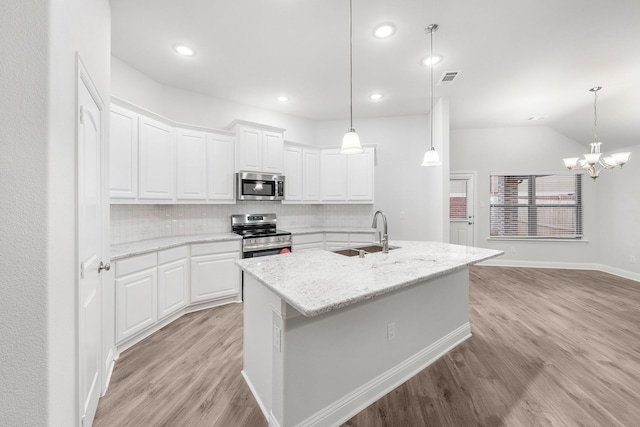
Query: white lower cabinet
173	281
303	242
136	301
214	274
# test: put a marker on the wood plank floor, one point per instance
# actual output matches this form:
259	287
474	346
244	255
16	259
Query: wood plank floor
549	348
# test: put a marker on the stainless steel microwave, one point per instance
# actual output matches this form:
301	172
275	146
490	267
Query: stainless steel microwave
259	186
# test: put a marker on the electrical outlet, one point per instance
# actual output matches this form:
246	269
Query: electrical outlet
512	249
277	338
402	215
144	230
632	259
391	331
198	227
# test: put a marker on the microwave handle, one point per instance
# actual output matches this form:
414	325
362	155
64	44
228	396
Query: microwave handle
280	188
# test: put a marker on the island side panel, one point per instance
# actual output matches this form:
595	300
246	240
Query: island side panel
332	366
258	340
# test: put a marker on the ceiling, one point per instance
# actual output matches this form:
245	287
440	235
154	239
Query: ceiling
516	59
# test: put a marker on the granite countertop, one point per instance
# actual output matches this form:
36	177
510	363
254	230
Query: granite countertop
317	281
124	250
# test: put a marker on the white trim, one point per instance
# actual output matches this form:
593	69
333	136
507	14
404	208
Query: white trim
341	410
267	414
497	262
273	421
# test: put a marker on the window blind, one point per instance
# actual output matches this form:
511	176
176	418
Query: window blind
536	206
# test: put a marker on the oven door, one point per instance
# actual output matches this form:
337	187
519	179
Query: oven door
266	252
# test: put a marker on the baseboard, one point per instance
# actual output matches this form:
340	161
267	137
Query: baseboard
562	265
354	402
267	414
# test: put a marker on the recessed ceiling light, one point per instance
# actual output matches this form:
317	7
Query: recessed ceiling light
384	30
432	60
534	118
376	96
283	99
184	50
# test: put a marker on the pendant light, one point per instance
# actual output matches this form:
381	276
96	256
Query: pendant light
593	162
431	157
351	140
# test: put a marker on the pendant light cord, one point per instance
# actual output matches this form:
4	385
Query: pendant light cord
595	116
350	66
431	28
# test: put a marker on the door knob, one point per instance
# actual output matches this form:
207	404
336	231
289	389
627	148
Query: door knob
104	266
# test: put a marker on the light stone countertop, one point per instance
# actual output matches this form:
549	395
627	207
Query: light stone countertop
317	281
129	249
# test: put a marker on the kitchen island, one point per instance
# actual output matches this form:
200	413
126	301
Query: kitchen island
326	335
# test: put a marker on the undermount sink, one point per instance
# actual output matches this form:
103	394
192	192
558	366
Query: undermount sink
367	250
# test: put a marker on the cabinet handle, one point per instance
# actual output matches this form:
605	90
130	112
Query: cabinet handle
104	266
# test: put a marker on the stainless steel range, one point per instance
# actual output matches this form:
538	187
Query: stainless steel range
260	236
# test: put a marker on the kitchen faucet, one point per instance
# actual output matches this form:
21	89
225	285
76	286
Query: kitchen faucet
384	240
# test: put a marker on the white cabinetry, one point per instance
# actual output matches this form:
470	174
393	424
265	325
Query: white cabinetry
173	280
136	284
293	173
347	178
214	274
259	148
335	241
310	175
157	160
123	154
191	167
220	171
307	241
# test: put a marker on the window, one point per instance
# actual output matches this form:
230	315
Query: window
458	200
536	206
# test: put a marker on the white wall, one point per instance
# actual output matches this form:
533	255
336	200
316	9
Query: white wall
23	208
84	27
619	217
411	196
523	149
197	109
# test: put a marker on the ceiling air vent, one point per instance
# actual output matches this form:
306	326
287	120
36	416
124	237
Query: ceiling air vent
448	77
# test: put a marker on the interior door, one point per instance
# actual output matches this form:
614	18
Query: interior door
461	215
89	127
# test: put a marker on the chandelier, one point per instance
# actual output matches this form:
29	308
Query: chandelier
594	162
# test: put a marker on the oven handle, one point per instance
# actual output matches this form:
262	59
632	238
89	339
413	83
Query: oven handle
258	247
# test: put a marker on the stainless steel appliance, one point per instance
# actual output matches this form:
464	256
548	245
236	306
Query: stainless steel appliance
260	236
259	186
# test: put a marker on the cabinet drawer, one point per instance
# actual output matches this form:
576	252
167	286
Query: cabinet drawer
307	238
173	254
216	248
134	264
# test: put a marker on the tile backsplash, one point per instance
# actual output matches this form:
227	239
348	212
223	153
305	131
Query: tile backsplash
138	222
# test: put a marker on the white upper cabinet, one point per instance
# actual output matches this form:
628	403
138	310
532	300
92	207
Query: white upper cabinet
293	173
220	170
123	154
157	160
191	164
360	176
310	175
333	173
259	148
347	178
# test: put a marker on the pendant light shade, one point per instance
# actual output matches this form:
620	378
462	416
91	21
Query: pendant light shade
351	140
431	157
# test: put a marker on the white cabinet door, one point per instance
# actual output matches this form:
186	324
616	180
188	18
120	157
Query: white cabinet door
136	303
156	144
123	154
214	277
220	169
173	281
293	173
311	175
272	152
333	175
360	176
191	170
249	155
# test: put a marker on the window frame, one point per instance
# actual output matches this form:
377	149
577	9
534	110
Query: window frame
533	207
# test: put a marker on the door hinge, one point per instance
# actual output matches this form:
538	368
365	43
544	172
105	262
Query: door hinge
82	270
81	118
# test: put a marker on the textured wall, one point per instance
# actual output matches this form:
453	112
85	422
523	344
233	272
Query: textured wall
23	229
